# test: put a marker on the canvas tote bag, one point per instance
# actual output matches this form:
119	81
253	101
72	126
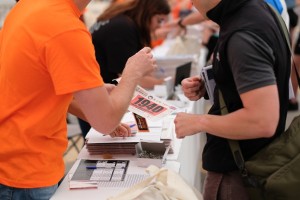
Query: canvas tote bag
163	184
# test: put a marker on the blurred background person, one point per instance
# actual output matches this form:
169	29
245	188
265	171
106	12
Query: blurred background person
121	31
291	5
180	8
210	31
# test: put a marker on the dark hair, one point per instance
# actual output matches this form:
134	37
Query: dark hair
140	11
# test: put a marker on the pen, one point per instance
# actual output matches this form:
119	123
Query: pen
161	70
133	132
91	167
132	125
95	167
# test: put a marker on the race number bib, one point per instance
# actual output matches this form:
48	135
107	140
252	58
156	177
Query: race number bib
149	106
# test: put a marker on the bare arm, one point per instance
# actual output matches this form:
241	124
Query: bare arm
178	25
75	109
103	110
122	130
258	118
148	82
193	18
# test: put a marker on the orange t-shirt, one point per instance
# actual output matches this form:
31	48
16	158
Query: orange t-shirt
46	54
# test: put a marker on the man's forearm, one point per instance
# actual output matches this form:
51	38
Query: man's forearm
74	109
122	95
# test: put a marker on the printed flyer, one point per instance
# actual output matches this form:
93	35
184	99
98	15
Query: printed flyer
149	106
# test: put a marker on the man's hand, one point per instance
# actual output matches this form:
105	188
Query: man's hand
139	65
123	130
186	124
193	88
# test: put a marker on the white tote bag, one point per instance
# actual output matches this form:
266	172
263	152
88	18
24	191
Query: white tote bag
163	184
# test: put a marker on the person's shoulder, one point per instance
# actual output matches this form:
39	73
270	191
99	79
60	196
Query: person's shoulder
118	24
246	37
123	21
245	43
56	16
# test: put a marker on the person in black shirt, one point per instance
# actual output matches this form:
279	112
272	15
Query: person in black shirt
121	31
251	68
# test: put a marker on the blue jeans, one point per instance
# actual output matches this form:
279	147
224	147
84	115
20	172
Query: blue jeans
10	193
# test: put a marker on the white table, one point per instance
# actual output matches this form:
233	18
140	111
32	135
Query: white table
64	193
186	160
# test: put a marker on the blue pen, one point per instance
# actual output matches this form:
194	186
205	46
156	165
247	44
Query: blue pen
133	132
95	167
91	167
161	70
132	125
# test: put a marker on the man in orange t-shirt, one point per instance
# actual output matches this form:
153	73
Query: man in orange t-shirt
47	68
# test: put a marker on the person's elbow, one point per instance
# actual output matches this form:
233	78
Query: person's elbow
267	126
263	113
105	126
105	130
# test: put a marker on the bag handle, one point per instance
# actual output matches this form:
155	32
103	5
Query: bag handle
234	144
283	29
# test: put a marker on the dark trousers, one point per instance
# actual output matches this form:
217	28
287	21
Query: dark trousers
224	186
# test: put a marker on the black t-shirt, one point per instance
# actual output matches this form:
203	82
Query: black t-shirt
115	40
251	60
251	53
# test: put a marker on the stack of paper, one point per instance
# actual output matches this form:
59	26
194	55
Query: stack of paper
111	148
98	143
162	130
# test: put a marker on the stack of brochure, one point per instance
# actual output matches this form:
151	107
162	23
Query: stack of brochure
98	143
111	148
